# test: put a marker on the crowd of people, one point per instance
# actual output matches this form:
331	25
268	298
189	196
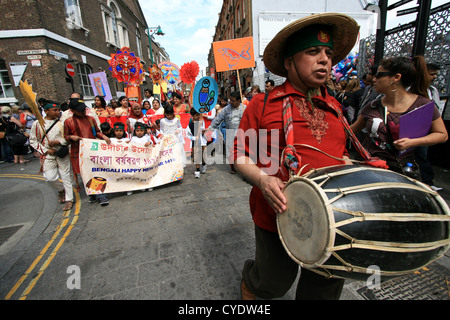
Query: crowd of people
355	94
66	123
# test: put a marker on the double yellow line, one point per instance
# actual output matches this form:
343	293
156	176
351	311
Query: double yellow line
67	216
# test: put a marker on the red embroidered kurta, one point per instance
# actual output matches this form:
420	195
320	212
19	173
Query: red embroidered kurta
317	127
82	127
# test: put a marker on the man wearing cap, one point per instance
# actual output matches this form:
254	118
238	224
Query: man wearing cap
47	143
89	111
77	127
300	121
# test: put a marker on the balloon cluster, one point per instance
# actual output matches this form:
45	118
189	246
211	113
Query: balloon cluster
346	69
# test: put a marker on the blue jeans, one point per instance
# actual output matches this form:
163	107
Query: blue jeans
426	170
98	197
7	154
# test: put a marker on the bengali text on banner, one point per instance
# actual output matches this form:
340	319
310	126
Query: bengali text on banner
120	167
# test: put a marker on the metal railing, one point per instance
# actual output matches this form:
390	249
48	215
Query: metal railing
399	42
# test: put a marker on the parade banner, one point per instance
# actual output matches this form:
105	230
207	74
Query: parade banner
234	54
120	167
100	85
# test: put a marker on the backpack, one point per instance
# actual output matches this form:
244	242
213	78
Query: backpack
14	135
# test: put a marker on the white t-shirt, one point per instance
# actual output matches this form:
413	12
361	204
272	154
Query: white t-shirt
124	139
142	140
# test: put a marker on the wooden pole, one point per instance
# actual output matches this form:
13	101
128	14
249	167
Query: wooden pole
239	81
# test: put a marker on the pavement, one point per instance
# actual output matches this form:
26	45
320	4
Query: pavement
183	241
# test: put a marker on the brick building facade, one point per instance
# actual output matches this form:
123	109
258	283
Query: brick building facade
235	21
42	36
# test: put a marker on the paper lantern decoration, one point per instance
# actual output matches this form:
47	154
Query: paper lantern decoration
189	72
205	94
156	74
170	71
125	66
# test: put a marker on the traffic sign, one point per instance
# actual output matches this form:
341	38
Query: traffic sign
70	70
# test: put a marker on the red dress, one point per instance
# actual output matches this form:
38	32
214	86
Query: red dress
318	127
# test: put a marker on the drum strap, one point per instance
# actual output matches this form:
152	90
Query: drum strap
368	159
291	159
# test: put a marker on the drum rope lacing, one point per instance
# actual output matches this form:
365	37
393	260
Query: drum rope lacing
359	216
387	246
369	187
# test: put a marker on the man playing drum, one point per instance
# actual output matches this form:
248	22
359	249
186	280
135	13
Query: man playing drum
299	122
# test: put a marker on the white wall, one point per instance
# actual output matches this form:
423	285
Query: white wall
271	16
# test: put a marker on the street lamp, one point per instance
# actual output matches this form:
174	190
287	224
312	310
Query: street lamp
151	31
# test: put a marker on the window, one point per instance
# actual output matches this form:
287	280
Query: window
113	22
124	40
138	43
73	13
6	88
84	70
116	31
111	16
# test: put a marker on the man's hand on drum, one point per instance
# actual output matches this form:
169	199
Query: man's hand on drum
272	189
347	160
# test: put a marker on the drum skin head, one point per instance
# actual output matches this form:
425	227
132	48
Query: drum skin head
304	226
343	220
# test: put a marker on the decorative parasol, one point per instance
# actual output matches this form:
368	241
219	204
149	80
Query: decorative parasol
156	74
170	71
188	73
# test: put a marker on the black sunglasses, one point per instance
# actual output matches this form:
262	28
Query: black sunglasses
380	74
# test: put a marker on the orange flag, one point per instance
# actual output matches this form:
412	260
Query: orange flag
234	54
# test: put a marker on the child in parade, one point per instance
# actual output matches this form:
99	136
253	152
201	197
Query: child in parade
119	132
140	136
194	132
172	125
106	129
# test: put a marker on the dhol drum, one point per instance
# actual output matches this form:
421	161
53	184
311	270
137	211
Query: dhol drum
349	221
